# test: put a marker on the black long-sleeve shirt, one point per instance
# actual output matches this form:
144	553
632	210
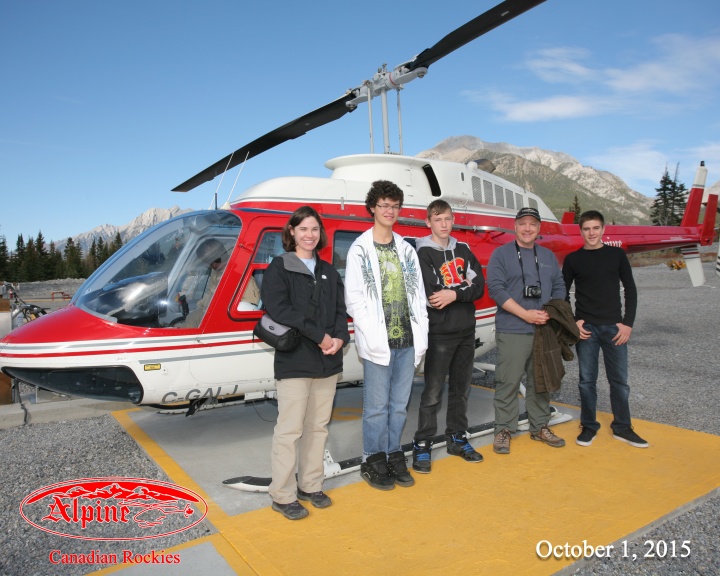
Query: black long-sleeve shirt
597	275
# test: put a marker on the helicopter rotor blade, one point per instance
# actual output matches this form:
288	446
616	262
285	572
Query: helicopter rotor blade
293	129
503	12
402	74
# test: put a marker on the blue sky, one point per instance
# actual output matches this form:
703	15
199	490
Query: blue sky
105	107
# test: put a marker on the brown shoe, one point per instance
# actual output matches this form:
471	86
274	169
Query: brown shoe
501	444
546	435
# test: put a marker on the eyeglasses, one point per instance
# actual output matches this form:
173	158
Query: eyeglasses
393	207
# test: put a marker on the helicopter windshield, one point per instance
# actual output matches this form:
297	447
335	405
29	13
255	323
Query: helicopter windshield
165	276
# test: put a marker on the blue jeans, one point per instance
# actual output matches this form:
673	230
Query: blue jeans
448	357
386	393
616	369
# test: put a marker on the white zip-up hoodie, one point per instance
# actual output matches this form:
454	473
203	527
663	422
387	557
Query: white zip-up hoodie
363	298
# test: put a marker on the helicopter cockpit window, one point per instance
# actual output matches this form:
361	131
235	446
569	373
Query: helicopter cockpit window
160	278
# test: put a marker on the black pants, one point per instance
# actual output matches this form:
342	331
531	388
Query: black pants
454	357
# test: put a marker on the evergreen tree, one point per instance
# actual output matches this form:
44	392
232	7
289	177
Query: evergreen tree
30	267
92	259
16	260
116	244
103	251
56	266
4	260
575	207
669	204
73	260
42	252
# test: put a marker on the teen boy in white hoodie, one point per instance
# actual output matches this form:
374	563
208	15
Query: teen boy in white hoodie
385	296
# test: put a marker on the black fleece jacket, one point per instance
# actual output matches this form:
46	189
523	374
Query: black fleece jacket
287	290
449	268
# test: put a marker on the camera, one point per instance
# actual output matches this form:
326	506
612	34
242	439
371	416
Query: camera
532	292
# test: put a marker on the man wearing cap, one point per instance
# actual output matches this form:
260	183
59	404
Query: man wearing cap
521	277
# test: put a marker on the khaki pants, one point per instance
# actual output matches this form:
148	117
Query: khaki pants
515	358
304	410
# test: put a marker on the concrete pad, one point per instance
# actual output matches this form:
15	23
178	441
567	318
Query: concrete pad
485	518
218	444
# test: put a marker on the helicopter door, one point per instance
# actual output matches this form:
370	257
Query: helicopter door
227	366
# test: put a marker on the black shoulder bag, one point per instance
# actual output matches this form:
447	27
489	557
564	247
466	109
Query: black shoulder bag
281	337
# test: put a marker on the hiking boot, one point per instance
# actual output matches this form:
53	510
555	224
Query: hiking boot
376	473
630	437
422	453
292	511
318	499
398	469
546	435
458	445
501	444
585	437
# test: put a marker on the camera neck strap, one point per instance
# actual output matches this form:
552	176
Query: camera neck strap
522	270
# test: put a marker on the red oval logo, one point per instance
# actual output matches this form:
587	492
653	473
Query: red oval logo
113	508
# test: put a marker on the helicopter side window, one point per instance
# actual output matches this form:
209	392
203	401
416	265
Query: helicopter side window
248	297
341	246
270	246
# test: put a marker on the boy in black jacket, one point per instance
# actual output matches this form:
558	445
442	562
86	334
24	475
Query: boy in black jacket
453	281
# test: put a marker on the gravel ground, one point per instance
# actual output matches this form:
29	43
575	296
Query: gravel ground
673	378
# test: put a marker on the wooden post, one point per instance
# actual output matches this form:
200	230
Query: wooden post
5	382
5	389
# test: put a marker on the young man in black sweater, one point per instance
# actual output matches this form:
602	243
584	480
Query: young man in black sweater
597	271
453	281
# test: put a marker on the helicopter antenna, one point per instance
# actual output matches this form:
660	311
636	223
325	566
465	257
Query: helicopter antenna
236	179
221	181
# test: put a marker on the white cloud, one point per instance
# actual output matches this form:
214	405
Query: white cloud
683	66
640	165
552	108
680	74
560	65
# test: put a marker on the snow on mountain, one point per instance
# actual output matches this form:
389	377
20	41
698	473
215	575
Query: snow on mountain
537	170
127	232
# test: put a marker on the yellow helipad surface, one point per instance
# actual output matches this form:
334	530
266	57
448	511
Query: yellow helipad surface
473	519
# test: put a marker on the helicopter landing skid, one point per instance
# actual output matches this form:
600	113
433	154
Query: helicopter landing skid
333	469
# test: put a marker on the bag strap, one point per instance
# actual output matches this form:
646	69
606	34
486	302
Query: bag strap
312	307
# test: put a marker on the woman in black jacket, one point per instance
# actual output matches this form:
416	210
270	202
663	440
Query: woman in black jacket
306	377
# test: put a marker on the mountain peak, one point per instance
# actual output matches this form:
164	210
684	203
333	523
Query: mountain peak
555	176
127	231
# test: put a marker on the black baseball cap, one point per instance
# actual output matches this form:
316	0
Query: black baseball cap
527	211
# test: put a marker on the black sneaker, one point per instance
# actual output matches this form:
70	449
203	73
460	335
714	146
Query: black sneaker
376	473
586	437
422	454
292	511
630	437
318	499
398	469
458	445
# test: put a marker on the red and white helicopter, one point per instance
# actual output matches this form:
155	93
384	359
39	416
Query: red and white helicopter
124	335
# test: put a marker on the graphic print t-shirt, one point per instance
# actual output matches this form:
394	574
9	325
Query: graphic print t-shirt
394	297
